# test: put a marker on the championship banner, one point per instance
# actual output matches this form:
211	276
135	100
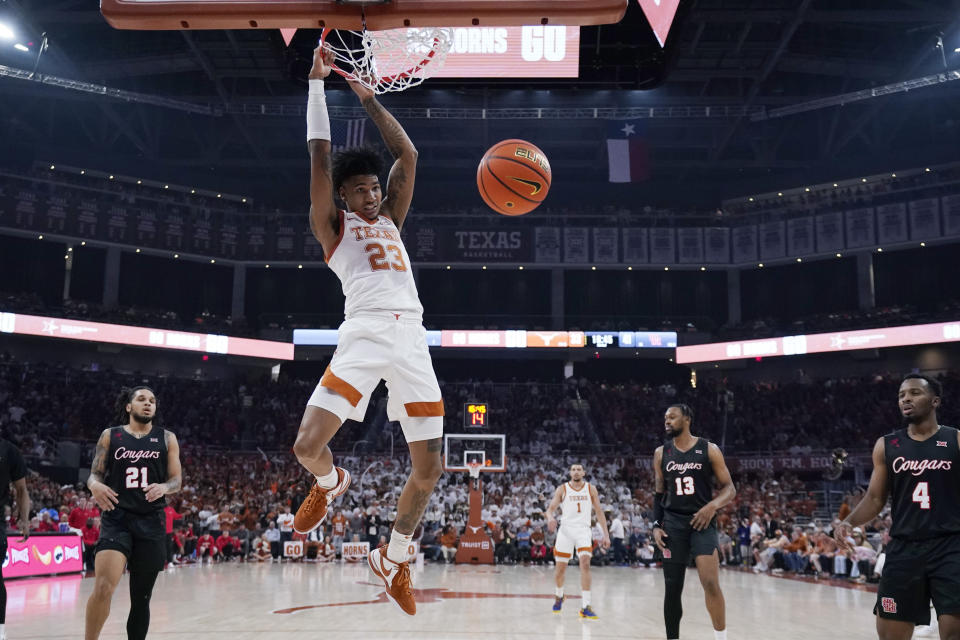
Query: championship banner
355	551
635	246
861	231
925	219
663	249
146	227
200	233
42	555
800	236
829	232
605	241
690	245
311	249
293	549
26	209
56	213
951	215
173	231
256	239
717	245
575	245
87	218
892	223
745	243
547	244
283	239
229	233
773	241
117	223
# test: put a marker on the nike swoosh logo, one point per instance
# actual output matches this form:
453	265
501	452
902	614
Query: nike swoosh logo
536	187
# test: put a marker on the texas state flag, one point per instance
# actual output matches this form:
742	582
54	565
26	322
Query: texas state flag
627	151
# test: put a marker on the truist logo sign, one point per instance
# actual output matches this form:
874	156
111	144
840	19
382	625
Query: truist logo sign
122	453
683	468
917	467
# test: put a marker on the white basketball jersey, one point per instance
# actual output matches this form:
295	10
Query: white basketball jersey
373	267
577	507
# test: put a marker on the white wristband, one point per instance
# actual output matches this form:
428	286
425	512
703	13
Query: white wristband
318	122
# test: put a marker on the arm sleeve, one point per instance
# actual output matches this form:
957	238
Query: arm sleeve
658	509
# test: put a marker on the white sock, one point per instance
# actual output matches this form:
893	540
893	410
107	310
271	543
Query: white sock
399	545
719	635
585	596
558	592
328	481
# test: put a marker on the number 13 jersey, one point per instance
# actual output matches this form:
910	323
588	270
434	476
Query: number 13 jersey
373	267
687	476
134	463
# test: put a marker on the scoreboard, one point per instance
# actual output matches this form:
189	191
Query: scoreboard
475	415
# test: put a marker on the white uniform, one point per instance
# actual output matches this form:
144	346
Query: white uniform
382	336
576	510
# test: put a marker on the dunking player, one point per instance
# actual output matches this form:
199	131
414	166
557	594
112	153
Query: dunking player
578	499
684	516
382	335
920	466
135	465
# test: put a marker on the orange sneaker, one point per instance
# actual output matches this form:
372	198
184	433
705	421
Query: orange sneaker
396	579
312	512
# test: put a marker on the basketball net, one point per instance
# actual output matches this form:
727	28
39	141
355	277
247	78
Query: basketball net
474	469
393	60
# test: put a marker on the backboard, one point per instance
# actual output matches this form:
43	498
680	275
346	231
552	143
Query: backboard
460	449
352	14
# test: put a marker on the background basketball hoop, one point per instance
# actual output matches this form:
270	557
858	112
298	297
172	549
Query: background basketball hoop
392	60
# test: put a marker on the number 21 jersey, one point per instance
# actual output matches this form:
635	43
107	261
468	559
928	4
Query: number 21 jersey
688	477
373	267
133	464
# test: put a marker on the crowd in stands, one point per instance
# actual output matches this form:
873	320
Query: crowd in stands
578	415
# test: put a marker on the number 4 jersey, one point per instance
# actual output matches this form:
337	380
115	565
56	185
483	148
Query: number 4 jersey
924	481
687	476
373	267
133	464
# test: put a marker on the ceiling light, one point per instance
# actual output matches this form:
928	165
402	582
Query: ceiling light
21	47
593	268
219	195
751	199
83	244
244	200
629	268
879	249
484	267
176	255
448	267
6	33
666	268
807	189
521	267
111	177
760	265
52	167
139	181
212	261
166	186
299	266
266	266
138	250
839	255
780	194
799	259
40	237
834	184
923	244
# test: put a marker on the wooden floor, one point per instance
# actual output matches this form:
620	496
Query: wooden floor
262	601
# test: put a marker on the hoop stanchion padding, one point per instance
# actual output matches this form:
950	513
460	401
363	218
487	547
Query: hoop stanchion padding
319	14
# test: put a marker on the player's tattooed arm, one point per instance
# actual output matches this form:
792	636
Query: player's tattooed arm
399	193
324	218
658	483
105	497
98	470
174	471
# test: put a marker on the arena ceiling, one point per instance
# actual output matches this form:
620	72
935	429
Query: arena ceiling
755	55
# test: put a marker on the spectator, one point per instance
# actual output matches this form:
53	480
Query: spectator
90	533
285	523
538	546
448	543
616	538
273	537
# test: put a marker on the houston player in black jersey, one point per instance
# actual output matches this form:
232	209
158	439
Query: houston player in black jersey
685	524
919	467
136	464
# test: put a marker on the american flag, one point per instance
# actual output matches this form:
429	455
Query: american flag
347	134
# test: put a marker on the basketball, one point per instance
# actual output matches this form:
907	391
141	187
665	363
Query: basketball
514	177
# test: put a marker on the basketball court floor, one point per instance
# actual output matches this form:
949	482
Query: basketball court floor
263	601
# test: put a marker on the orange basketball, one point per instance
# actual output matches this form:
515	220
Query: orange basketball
514	177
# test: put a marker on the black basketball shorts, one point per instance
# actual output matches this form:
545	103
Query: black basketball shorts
684	542
916	572
141	538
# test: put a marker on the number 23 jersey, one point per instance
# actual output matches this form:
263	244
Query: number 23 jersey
687	476
373	267
134	463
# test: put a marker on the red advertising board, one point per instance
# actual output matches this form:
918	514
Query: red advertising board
821	343
660	15
18	323
42	555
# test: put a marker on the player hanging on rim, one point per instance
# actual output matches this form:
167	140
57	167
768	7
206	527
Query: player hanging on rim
135	465
382	335
919	466
577	500
685	525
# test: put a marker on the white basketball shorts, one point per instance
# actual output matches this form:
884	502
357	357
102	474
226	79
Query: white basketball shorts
569	539
371	347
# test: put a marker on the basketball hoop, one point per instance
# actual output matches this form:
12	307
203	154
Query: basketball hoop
474	469
392	60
